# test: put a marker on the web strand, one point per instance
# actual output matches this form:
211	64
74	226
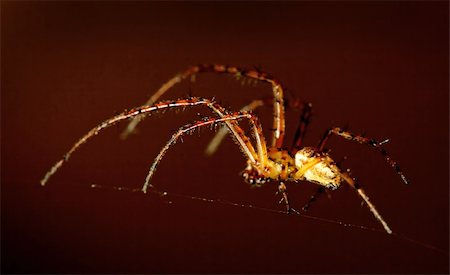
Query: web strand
294	213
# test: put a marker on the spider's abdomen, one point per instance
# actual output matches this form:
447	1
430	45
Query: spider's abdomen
317	167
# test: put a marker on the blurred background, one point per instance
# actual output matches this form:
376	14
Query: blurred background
378	68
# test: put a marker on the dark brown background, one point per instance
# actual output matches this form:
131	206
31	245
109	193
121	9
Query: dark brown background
379	67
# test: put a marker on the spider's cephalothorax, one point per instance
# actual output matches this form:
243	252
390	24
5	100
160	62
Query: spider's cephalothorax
265	161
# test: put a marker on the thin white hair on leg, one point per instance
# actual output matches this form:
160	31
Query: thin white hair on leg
146	110
255	74
185	130
366	199
223	131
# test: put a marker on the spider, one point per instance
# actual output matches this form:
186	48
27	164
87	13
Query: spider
266	162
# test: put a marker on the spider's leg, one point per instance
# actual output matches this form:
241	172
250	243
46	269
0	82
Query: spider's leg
313	198
262	152
363	140
282	189
277	89
146	110
223	131
305	118
295	103
369	204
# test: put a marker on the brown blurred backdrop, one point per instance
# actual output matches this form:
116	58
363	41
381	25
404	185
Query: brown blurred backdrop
381	68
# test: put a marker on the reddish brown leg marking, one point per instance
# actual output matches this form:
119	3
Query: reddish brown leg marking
277	89
363	140
305	118
188	128
238	133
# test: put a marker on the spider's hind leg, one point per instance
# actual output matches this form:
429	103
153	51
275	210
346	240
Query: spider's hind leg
347	178
363	140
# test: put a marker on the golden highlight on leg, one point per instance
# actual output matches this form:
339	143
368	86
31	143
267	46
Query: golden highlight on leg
369	204
223	131
146	110
189	128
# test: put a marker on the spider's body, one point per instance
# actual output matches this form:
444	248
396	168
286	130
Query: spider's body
266	161
308	164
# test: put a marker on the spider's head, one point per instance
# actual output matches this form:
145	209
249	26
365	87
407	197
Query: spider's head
317	167
252	176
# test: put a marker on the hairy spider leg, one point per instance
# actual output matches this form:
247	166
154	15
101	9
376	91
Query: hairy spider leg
243	141
347	178
305	118
262	150
277	89
363	140
294	103
223	131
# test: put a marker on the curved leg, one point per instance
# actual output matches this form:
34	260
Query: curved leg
360	139
262	151
242	139
277	89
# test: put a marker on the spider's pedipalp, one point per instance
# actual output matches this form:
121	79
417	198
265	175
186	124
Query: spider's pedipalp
363	140
277	89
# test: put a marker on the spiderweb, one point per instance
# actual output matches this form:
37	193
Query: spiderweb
294	213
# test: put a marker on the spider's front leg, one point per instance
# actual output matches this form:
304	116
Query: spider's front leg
238	133
277	91
257	159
